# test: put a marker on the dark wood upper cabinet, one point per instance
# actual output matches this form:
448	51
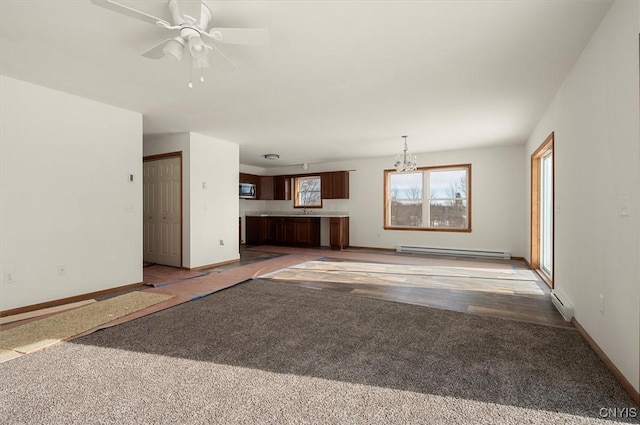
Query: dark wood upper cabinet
248	178
282	188
335	185
265	187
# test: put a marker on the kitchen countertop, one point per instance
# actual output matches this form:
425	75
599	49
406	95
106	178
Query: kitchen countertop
310	213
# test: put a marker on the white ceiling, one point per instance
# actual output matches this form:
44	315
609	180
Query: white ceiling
340	79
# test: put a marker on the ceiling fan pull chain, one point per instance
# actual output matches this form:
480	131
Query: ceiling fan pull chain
190	67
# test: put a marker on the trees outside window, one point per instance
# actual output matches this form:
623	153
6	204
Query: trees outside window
307	192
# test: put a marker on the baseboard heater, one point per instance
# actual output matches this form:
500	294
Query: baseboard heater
453	252
562	306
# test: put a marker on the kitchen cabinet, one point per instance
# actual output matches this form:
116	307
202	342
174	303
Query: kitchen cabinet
263	184
282	188
339	232
257	230
335	185
265	187
248	178
289	231
295	231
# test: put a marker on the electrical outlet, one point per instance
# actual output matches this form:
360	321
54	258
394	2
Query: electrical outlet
9	277
62	270
601	308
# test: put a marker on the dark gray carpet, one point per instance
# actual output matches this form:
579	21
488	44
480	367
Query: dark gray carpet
265	352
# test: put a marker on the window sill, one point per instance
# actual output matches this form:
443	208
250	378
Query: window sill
428	229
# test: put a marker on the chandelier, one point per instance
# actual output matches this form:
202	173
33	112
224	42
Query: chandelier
405	161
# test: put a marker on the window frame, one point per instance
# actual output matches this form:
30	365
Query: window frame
535	230
423	170
296	191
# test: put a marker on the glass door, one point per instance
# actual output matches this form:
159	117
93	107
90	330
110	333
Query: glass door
546	214
542	210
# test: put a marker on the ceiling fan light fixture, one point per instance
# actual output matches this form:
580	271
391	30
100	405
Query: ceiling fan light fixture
197	48
174	49
271	156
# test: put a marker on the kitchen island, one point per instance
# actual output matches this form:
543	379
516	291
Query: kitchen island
296	228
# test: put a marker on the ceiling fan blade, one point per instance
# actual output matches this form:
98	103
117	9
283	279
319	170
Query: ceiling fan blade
175	12
226	65
205	16
157	51
126	10
246	36
183	8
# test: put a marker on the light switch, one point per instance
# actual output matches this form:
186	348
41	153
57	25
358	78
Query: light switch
204	185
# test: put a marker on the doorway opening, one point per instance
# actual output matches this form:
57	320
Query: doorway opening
162	209
542	210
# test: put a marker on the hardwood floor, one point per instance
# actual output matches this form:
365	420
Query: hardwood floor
497	288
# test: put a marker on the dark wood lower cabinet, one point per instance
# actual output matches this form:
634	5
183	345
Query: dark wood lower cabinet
339	232
256	230
291	231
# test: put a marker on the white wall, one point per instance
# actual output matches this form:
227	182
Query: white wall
214	210
597	150
65	199
250	169
498	201
210	214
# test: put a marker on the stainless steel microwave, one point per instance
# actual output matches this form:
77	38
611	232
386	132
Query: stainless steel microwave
247	191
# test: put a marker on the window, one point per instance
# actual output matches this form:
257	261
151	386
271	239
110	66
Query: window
307	192
430	198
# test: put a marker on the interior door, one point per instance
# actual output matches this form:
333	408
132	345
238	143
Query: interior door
162	219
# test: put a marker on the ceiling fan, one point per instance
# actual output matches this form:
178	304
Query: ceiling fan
194	36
